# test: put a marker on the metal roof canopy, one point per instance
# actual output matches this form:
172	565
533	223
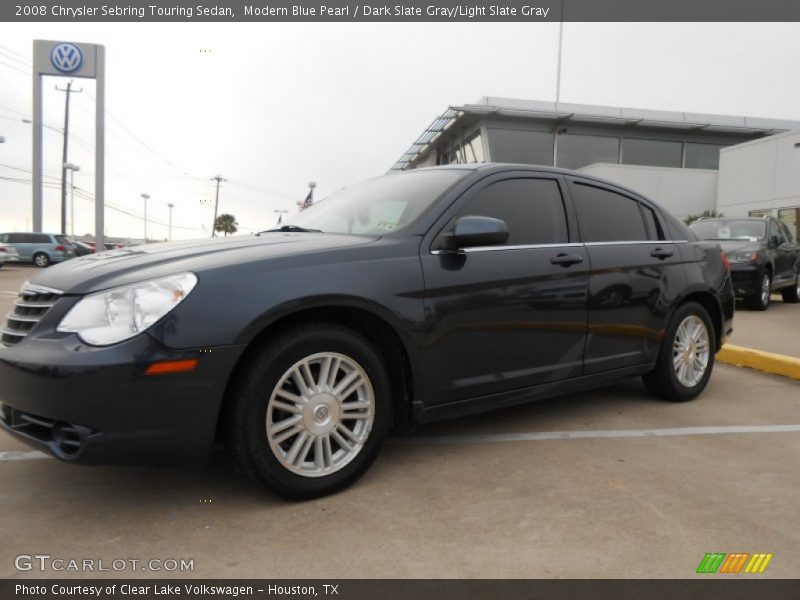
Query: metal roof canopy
564	112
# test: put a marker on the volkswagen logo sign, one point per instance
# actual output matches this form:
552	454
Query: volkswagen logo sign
66	57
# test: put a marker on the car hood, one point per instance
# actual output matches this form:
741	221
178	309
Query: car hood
730	246
99	271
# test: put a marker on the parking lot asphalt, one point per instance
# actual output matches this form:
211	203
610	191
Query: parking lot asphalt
611	483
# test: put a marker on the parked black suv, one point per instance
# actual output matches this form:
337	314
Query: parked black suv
763	254
404	299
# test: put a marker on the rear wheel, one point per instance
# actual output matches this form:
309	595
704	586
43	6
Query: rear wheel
310	412
40	259
791	294
760	300
686	358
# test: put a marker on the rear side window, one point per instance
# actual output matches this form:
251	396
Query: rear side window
16	238
606	216
532	208
38	238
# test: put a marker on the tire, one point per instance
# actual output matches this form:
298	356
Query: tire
791	295
41	260
664	381
291	468
760	300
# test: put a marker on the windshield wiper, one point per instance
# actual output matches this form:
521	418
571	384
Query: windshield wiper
292	228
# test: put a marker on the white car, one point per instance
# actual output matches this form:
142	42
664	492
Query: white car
8	254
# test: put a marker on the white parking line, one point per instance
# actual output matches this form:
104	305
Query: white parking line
535	436
9	456
9	293
492	438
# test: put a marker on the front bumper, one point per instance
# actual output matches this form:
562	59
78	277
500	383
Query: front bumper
97	405
746	279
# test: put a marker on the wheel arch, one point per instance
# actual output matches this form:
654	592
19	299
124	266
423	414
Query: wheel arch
369	323
709	301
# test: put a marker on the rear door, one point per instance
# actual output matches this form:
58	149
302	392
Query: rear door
636	275
505	317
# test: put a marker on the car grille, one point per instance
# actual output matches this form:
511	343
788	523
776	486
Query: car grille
33	303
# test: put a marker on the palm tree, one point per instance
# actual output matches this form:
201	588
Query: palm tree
226	223
706	214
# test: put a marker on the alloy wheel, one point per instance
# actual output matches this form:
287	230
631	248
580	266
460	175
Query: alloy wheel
690	351
766	286
320	414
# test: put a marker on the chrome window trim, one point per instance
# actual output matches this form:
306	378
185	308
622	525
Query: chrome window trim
517	247
634	242
564	245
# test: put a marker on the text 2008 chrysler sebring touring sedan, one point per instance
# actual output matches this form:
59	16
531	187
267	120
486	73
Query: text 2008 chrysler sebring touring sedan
400	300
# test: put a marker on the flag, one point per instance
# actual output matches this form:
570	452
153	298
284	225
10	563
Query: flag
308	201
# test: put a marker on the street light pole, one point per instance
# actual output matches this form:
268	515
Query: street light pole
71	168
145	197
171	206
281	212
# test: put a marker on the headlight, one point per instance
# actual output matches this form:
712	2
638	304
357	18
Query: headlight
118	314
743	257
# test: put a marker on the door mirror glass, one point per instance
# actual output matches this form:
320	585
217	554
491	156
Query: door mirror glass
471	231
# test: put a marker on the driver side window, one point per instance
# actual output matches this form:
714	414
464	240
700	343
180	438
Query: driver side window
532	209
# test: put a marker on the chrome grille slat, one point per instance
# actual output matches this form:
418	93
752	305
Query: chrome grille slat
23	319
32	305
23	304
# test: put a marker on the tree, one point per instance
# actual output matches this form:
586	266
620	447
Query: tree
226	223
706	214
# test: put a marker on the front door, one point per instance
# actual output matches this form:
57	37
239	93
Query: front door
512	316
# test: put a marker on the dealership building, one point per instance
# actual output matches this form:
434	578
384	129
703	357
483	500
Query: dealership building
688	162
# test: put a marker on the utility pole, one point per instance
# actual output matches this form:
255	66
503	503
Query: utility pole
68	90
145	197
219	180
281	212
171	206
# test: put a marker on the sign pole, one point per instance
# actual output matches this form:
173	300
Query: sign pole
100	149
37	151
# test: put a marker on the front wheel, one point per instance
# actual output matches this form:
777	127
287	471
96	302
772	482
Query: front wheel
310	412
760	300
686	357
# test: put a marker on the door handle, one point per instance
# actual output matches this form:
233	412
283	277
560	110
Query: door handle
566	260
661	254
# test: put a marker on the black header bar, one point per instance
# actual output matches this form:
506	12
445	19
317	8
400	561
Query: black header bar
405	11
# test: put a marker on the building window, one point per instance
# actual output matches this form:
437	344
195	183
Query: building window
518	146
791	218
656	153
576	151
702	156
761	212
473	149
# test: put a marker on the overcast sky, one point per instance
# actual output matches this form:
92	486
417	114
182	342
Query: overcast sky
272	106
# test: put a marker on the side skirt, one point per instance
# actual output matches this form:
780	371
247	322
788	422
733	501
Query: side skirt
427	414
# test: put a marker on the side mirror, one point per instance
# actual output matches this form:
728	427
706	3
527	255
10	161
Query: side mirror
774	241
471	231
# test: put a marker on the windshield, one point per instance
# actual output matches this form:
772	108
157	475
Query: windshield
377	206
730	229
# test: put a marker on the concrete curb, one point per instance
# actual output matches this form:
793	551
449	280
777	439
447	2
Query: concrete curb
777	364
